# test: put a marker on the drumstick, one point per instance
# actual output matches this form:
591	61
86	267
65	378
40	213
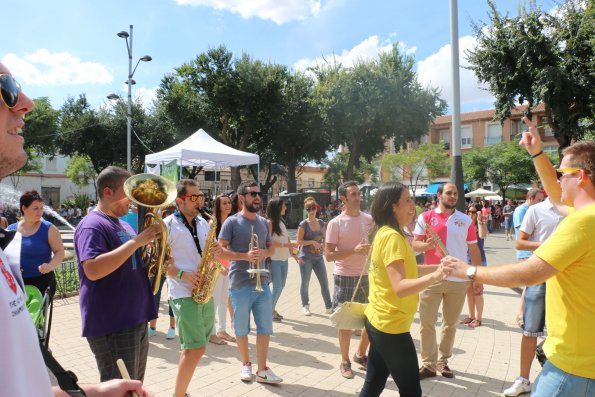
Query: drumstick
124	373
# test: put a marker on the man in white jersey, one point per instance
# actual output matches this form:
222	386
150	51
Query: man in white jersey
23	372
456	233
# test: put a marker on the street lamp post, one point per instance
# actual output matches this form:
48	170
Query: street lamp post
125	35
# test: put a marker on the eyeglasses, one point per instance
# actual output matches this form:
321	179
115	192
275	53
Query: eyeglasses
560	172
194	197
310	209
253	194
10	90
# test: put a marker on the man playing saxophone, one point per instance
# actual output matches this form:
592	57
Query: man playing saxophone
235	237
187	237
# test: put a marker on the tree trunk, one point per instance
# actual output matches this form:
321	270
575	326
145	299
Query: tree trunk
353	155
291	180
235	178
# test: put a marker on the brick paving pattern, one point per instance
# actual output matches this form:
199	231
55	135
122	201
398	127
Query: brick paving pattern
304	350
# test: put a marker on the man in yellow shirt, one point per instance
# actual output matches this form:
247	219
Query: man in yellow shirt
567	261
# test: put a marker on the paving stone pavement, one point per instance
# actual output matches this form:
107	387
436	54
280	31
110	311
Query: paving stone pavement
304	350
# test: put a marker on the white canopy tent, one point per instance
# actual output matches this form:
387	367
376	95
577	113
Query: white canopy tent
480	193
201	150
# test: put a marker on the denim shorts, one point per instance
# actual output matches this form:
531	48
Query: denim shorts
245	300
534	314
553	382
508	223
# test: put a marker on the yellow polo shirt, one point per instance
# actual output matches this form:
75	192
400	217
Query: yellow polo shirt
570	295
386	311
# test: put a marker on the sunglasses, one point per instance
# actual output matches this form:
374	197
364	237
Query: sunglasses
253	194
10	90
310	209
560	172
194	197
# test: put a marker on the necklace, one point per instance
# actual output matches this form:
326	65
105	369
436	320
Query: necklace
111	219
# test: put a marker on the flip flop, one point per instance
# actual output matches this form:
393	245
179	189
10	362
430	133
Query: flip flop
226	337
474	324
466	320
218	341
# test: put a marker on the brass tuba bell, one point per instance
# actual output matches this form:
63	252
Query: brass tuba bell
152	193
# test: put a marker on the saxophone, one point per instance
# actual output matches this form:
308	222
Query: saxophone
208	268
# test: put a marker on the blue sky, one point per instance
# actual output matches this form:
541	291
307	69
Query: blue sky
63	48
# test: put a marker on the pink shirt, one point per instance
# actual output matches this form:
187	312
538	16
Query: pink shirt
455	231
346	232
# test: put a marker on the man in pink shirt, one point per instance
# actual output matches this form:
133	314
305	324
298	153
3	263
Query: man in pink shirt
347	245
457	234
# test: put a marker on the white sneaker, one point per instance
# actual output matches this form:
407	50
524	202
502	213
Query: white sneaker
246	373
306	310
267	376
520	386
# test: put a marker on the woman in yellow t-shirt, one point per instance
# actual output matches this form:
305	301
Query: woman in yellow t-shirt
394	285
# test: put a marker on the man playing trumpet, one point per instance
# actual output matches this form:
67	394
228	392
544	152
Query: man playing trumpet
235	238
187	237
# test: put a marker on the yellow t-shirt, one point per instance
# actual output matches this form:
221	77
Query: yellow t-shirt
570	295
386	311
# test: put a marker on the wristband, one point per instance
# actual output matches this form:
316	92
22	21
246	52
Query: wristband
180	272
537	154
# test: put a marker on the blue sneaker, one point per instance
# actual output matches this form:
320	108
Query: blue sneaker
171	333
152	332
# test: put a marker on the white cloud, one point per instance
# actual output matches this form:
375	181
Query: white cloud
146	96
59	68
364	51
435	71
278	11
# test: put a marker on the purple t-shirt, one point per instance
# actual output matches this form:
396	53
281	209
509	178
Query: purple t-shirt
121	299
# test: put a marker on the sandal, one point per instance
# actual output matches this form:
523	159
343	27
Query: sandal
226	337
216	340
467	320
475	324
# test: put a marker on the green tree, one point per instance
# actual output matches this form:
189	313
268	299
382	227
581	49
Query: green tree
81	172
505	164
376	100
334	175
41	128
541	57
428	161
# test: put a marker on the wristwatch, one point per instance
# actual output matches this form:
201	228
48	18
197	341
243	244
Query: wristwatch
471	270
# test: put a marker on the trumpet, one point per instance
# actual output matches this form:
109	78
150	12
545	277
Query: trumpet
254	268
151	193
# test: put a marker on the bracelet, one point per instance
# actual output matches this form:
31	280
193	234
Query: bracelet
180	272
537	154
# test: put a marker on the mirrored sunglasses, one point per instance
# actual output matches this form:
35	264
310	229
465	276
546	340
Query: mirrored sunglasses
194	197
10	90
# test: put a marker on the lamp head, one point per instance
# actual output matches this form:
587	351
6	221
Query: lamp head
113	97
146	58
123	34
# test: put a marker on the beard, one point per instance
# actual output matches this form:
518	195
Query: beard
448	205
254	208
8	166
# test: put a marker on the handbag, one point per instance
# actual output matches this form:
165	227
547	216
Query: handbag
350	315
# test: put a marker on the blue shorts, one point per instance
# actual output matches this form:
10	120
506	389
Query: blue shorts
508	223
534	314
245	300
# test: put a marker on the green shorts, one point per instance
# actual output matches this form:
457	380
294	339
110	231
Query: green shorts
193	321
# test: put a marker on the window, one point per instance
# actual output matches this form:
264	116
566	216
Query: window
311	182
493	133
546	127
466	136
516	128
445	136
423	140
550	149
51	164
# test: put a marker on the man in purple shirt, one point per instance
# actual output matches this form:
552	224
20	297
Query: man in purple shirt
115	295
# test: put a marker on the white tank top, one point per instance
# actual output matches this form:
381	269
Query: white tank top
281	253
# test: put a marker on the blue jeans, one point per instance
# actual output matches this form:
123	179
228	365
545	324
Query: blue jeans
306	267
534	314
553	382
245	300
278	276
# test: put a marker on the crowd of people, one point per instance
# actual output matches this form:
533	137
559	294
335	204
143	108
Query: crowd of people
374	258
